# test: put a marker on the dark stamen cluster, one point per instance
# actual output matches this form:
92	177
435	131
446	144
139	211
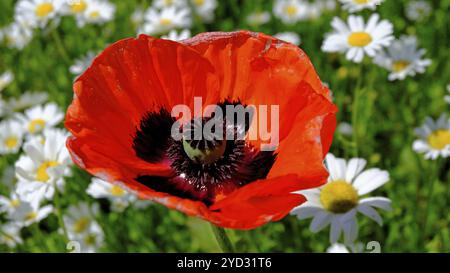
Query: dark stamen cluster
233	163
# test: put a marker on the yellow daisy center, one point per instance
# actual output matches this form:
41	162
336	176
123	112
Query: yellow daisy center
15	203
8	237
81	224
359	39
117	191
30	216
94	14
11	142
9	40
165	22
290	10
44	9
199	2
338	196
36	125
439	139
400	65
78	6
361	1
90	239
41	174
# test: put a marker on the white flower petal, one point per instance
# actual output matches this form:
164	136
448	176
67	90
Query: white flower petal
354	167
370	180
371	213
335	230
336	167
377	202
350	231
304	212
320	221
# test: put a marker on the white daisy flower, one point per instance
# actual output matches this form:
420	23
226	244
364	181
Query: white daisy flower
138	17
418	10
11	136
161	4
82	63
40	117
37	139
39	12
26	100
27	213
358	5
314	10
402	58
43	166
91	241
205	9
290	11
326	5
258	18
338	201
117	194
341	248
290	37
447	98
98	12
338	248
434	138
157	22
358	38
345	129
16	35
175	36
5	79
80	218
82	227
10	235
9	204
77	9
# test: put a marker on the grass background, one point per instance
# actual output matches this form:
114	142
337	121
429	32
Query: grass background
382	113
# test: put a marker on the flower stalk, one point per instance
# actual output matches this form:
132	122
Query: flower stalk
58	213
222	239
60	46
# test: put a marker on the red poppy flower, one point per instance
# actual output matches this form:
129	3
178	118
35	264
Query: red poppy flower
120	123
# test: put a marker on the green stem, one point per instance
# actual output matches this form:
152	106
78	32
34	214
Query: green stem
355	108
434	176
37	234
58	212
60	46
222	239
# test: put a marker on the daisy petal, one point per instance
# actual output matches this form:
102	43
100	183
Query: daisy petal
304	212
336	167
335	230
371	213
354	167
370	180
320	221
350	231
377	202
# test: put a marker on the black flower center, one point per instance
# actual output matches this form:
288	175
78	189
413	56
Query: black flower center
206	166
